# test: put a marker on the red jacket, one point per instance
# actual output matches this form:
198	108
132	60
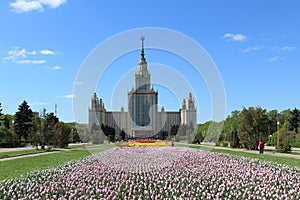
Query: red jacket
261	145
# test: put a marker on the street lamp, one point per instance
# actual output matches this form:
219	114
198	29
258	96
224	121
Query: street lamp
13	132
72	136
278	133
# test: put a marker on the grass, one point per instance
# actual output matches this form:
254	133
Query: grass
19	153
76	146
277	159
281	160
101	147
21	166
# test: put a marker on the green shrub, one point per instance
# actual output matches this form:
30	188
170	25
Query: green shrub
297	141
225	143
284	147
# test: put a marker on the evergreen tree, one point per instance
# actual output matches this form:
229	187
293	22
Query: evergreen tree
61	135
234	139
123	135
50	121
23	118
174	130
0	109
198	138
35	134
0	114
253	126
294	120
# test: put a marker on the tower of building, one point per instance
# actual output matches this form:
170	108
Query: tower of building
189	111
142	100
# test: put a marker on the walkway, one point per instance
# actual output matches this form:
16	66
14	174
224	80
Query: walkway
30	155
56	150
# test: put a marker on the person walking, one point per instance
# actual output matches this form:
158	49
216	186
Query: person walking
261	146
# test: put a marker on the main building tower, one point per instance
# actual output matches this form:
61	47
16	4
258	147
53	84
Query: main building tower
142	101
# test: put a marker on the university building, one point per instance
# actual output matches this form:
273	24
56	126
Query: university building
143	119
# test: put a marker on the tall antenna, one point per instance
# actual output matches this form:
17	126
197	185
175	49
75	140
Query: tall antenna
55	112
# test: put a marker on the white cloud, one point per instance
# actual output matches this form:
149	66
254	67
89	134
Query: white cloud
16	53
276	58
20	6
78	83
69	96
23	56
46	52
56	68
235	37
30	61
255	48
288	48
20	56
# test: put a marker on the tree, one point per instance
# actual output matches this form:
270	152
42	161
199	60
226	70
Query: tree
234	139
5	137
253	126
35	133
286	139
0	109
163	135
50	120
230	129
198	138
273	118
23	118
0	113
83	133
108	131
97	136
294	120
190	132
174	130
61	135
122	134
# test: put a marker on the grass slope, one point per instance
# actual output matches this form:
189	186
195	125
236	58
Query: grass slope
21	166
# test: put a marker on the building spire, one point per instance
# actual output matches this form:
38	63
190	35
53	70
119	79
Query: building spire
143	53
143	59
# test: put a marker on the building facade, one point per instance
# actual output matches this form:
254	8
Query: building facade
143	119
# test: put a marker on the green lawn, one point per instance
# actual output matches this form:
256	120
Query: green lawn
281	160
21	166
76	146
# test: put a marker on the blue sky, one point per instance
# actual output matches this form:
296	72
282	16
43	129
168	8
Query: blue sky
254	44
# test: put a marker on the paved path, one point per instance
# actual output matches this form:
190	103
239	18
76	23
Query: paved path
30	155
15	149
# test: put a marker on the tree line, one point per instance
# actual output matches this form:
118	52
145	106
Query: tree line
42	130
243	129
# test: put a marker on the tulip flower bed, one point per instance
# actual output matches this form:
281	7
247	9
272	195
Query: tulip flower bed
145	141
138	143
158	173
